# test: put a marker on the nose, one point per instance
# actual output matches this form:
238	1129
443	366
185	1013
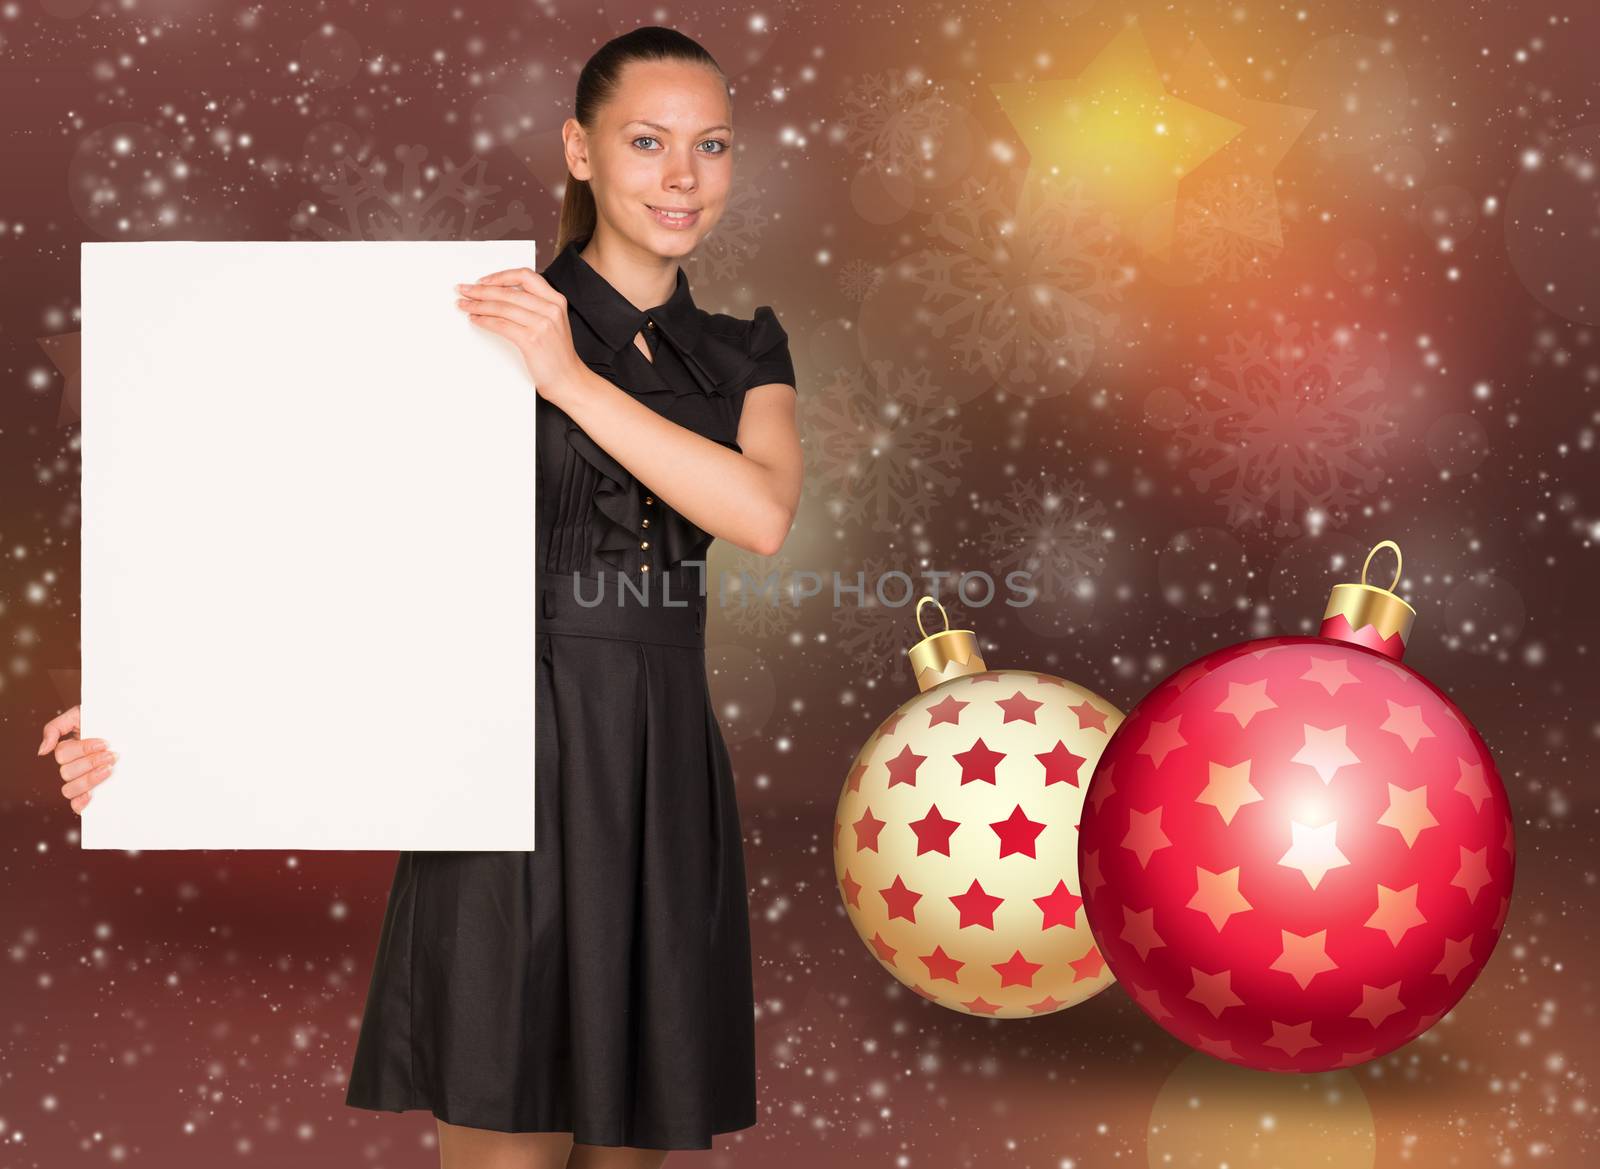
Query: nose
680	176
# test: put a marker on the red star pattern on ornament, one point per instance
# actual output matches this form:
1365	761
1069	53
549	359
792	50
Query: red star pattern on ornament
955	843
1060	907
867	829
1017	833
976	907
900	901
1018	707
978	762
946	710
1060	764
903	767
933	832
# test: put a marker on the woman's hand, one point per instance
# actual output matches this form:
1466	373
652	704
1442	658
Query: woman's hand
524	308
84	762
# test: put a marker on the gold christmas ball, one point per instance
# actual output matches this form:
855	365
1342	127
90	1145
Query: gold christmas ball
955	842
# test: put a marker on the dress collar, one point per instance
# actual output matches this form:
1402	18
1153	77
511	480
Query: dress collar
613	317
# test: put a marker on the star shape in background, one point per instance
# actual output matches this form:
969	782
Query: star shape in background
1270	129
1117	129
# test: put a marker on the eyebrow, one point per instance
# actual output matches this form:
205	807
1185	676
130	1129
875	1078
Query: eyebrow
664	130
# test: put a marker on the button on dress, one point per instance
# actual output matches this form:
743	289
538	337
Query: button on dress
601	983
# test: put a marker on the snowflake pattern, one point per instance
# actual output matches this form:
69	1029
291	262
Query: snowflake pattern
732	243
427	203
1230	229
1284	427
1051	530
887	443
859	279
761	598
1025	293
895	120
876	635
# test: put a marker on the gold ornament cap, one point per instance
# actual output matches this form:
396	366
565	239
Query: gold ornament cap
1372	616
947	654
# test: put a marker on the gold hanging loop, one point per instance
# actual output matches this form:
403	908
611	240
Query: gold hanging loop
1368	607
1397	562
923	600
945	654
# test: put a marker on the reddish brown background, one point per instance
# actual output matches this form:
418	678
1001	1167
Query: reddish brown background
200	1008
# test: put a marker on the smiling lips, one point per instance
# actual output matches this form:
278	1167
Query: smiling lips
678	219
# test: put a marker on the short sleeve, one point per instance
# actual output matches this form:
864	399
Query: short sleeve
768	348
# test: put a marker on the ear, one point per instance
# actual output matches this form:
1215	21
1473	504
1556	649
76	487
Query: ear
575	144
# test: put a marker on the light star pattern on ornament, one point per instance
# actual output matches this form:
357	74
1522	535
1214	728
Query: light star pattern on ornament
1314	851
1229	789
1297	854
956	843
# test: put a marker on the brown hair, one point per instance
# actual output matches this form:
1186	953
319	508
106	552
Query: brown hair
601	75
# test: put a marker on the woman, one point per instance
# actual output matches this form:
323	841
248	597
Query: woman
590	1003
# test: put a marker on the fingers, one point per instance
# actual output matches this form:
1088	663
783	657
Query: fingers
513	297
70	749
87	761
64	722
528	280
89	779
522	286
502	315
514	306
512	303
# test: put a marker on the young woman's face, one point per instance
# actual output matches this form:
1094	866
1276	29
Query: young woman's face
664	143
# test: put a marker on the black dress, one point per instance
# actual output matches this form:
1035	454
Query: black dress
601	983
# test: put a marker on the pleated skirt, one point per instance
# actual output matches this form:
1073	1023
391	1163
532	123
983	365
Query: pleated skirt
601	983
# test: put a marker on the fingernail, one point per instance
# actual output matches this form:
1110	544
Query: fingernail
42	746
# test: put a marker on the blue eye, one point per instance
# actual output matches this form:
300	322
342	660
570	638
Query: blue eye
723	146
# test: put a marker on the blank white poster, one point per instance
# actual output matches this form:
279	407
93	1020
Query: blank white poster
308	548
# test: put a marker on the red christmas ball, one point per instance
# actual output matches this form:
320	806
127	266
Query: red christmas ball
1296	852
